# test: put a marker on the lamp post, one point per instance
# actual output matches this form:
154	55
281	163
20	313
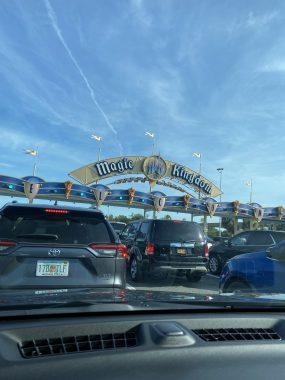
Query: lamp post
99	139
199	155
250	185
220	170
35	154
152	136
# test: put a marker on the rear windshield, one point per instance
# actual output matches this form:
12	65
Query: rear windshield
46	226
177	231
118	226
278	236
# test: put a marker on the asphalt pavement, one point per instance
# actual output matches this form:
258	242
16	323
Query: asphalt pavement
208	284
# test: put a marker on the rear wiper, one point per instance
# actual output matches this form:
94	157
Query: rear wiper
38	236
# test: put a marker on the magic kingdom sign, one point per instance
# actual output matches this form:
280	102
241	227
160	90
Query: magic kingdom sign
153	168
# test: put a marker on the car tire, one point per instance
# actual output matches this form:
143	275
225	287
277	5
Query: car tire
215	265
135	269
193	276
237	287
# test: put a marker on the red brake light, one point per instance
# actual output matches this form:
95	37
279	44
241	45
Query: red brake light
149	249
122	251
110	250
5	244
206	250
56	211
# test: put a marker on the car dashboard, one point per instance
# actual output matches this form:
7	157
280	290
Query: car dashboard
186	345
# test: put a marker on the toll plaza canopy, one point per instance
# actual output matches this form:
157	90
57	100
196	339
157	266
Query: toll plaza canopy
98	194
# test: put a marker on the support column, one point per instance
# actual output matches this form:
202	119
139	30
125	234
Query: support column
205	224
253	224
192	217
235	221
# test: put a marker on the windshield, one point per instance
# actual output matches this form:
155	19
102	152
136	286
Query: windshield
118	227
41	225
142	152
178	231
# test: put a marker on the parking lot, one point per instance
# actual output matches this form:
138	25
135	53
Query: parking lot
209	284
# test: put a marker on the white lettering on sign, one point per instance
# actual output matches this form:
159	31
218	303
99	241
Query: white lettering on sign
105	168
179	172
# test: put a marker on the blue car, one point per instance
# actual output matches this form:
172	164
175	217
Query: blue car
258	272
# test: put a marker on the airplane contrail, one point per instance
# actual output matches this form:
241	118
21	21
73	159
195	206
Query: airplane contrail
53	19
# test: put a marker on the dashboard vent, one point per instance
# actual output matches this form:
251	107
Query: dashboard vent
214	335
82	343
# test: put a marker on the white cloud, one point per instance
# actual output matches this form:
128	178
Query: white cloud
277	66
141	13
6	165
53	19
259	21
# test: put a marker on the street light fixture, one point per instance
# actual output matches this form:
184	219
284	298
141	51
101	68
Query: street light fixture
199	155
35	154
152	136
250	185
220	170
99	139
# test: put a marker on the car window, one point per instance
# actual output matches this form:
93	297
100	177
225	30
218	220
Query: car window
133	230
142	233
240	239
118	226
259	238
278	236
124	234
177	231
23	224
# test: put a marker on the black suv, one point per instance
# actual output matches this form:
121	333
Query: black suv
244	242
165	245
58	247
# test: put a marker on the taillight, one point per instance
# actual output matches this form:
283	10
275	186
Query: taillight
206	250
110	250
149	249
5	244
122	251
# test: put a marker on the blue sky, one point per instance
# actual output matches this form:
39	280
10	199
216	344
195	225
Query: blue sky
206	76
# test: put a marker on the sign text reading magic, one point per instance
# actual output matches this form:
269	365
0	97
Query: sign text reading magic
180	172
105	167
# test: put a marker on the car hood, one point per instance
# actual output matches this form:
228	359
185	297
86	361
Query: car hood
29	299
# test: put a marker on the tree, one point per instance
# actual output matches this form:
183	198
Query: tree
212	231
134	217
124	218
228	224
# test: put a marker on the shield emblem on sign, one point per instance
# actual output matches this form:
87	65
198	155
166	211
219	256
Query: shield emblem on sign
258	214
211	208
158	202
68	186
236	206
31	190
186	201
100	195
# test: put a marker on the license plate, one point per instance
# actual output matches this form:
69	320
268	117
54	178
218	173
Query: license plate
52	269
181	251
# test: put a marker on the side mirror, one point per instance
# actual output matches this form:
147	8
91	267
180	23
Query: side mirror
228	243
